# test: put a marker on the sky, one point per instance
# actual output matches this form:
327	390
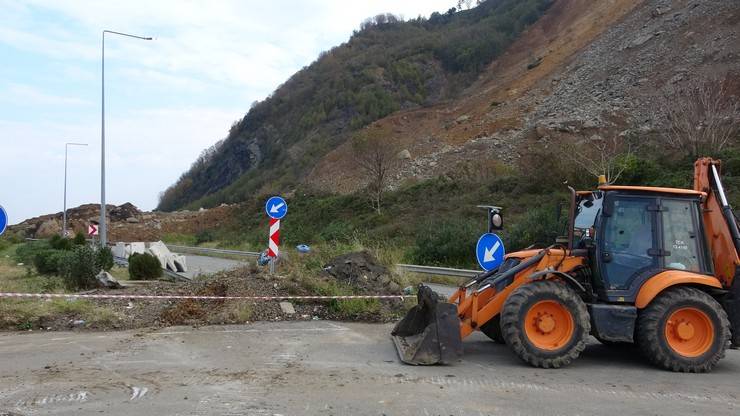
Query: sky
166	100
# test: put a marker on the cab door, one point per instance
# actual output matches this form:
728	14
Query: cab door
628	245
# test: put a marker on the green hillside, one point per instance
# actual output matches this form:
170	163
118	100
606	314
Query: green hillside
387	65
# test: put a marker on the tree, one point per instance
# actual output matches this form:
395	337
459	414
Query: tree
700	117
464	4
599	155
376	155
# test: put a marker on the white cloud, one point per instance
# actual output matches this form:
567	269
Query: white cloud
20	94
168	99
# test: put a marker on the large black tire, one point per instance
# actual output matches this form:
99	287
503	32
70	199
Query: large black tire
651	330
492	329
513	322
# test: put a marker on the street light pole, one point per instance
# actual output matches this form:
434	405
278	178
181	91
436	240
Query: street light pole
64	220
103	228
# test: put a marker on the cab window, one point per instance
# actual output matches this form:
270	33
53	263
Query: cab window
679	235
628	240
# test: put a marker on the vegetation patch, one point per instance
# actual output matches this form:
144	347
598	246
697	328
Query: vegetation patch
144	266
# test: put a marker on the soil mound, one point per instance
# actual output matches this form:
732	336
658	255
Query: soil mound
363	271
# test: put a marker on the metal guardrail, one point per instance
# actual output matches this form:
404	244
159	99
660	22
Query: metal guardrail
411	268
440	271
204	250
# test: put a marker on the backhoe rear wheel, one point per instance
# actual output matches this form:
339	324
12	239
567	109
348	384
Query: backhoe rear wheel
545	323
683	329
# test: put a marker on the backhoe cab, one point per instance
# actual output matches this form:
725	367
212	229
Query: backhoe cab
657	267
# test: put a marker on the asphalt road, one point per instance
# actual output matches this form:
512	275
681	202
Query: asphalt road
328	368
202	265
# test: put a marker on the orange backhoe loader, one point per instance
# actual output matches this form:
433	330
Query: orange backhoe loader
658	267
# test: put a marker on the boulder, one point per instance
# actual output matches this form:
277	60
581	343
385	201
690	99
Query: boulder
107	281
404	154
48	228
287	308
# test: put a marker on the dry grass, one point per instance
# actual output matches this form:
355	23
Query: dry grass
31	314
23	278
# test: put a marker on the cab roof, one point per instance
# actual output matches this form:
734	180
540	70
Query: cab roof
674	191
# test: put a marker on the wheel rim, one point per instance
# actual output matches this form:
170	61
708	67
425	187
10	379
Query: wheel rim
689	332
549	325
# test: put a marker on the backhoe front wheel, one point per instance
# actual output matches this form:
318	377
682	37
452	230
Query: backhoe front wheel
545	323
683	329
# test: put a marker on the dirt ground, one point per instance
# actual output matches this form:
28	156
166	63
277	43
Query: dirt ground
330	368
244	281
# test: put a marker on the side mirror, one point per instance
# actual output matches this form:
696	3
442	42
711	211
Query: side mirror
587	242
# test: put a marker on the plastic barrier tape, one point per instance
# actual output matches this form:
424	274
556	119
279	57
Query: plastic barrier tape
182	297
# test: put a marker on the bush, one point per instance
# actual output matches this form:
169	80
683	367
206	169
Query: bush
144	267
26	253
79	239
60	243
13	237
447	243
79	267
205	236
104	259
47	261
538	226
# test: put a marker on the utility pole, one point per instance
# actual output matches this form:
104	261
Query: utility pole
103	227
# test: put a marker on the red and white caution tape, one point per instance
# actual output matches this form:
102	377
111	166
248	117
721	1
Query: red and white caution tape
193	297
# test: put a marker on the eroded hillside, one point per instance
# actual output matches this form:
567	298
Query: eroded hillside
586	65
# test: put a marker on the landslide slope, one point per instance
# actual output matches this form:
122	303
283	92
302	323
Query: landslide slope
585	65
387	66
469	92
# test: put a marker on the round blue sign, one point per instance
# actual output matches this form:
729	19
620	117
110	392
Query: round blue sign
3	220
490	251
276	207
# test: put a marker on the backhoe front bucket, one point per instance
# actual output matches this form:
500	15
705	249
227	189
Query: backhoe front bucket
430	332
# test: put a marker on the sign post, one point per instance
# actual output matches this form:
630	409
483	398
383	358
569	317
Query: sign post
3	220
273	246
276	208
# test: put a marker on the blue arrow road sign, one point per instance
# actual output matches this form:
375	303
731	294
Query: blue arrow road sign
3	219
490	251
276	207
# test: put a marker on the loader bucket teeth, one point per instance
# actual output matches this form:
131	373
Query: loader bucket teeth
429	333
